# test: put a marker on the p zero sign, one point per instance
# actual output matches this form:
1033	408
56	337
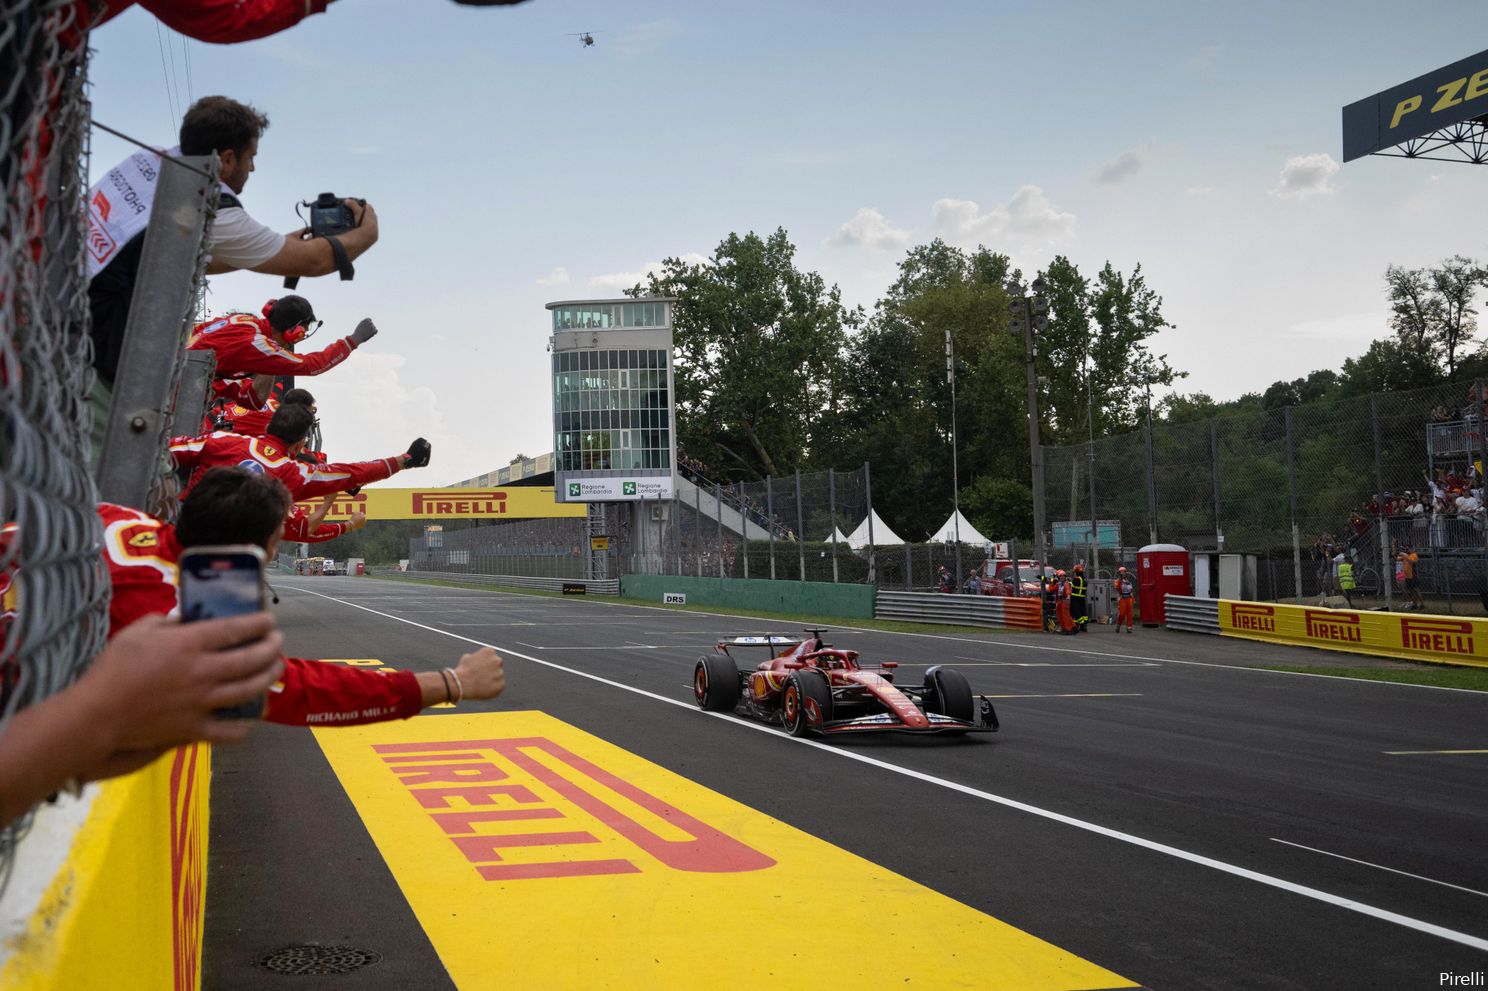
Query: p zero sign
1450	95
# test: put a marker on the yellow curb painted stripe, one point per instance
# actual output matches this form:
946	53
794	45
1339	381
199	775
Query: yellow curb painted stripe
538	856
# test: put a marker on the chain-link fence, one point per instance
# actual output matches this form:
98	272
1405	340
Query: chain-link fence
1298	491
52	580
531	548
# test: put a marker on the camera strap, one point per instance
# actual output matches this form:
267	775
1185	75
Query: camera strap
343	263
343	260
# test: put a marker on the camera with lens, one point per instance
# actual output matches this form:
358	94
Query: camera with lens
329	215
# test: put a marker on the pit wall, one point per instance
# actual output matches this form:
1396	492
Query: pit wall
125	911
1457	640
797	598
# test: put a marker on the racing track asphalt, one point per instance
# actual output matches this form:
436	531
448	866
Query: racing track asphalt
1215	816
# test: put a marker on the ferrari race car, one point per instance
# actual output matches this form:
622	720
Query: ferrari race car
811	687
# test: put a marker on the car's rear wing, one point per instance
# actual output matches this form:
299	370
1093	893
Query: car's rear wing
772	643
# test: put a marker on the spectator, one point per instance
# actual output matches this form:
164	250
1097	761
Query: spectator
974	583
1408	559
945	579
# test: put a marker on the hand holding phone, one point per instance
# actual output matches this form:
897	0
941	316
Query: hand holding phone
219	582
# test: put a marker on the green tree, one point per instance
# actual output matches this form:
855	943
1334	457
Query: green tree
759	347
1432	310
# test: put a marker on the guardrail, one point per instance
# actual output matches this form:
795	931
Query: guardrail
962	610
1192	614
610	586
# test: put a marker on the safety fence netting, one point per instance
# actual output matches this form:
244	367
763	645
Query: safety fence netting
1364	481
52	582
555	548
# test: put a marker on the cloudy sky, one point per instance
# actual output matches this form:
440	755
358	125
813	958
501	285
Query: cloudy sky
510	167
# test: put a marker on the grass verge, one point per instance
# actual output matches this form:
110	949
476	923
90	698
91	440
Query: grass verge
829	622
1474	679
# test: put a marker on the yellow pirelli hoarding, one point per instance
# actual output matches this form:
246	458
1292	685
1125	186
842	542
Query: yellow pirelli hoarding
516	503
1437	639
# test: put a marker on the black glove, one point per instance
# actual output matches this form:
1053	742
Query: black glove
354	490
418	453
365	331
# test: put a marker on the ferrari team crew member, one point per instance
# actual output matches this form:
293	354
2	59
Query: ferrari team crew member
1062	602
1079	602
1126	590
277	454
248	345
244	414
236	506
311	528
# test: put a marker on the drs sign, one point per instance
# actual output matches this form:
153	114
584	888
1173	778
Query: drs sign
673	599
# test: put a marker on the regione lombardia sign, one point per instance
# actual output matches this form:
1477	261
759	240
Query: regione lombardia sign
617	489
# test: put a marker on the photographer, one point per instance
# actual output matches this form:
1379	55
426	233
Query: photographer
119	211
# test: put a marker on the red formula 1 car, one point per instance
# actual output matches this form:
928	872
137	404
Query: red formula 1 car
809	686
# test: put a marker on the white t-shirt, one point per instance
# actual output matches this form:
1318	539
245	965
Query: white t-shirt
242	242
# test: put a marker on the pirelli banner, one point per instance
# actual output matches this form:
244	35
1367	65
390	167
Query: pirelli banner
514	503
1437	639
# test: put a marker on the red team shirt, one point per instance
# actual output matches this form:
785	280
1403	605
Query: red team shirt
244	347
297	529
143	556
265	454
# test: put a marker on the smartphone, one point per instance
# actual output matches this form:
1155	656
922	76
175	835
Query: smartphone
219	582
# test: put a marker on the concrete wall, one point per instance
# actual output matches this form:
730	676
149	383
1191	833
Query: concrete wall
797	598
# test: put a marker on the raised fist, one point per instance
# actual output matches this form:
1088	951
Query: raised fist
365	331
418	453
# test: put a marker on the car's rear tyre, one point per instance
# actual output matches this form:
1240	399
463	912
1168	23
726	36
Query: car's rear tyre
715	683
948	693
806	690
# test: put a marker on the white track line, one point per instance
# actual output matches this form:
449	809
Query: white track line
1431	929
1382	867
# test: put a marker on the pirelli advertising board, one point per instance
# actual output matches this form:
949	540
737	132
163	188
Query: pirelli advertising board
1450	95
1439	639
515	503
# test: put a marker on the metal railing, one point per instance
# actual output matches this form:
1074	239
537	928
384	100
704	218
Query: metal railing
609	586
1191	614
961	610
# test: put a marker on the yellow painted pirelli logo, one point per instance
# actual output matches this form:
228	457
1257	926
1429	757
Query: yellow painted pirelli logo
1439	639
536	855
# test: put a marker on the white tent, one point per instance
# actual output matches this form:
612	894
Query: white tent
882	535
968	533
836	535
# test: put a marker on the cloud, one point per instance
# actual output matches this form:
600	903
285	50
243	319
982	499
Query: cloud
557	277
1306	175
363	150
1028	217
621	281
373	414
1198	190
869	229
1345	328
1126	164
646	38
1203	60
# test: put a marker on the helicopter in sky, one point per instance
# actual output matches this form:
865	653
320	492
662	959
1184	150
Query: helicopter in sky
586	38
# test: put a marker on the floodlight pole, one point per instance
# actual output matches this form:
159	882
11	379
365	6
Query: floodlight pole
955	472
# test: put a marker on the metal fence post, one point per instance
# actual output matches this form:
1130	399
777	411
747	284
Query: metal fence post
718	498
1292	496
868	495
697	525
1151	484
770	514
908	568
832	508
191	395
155	334
800	526
1387	574
743	530
1482	482
1214	468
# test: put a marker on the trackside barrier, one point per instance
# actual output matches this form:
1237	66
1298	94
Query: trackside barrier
1192	614
997	611
1410	636
125	911
601	587
851	601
